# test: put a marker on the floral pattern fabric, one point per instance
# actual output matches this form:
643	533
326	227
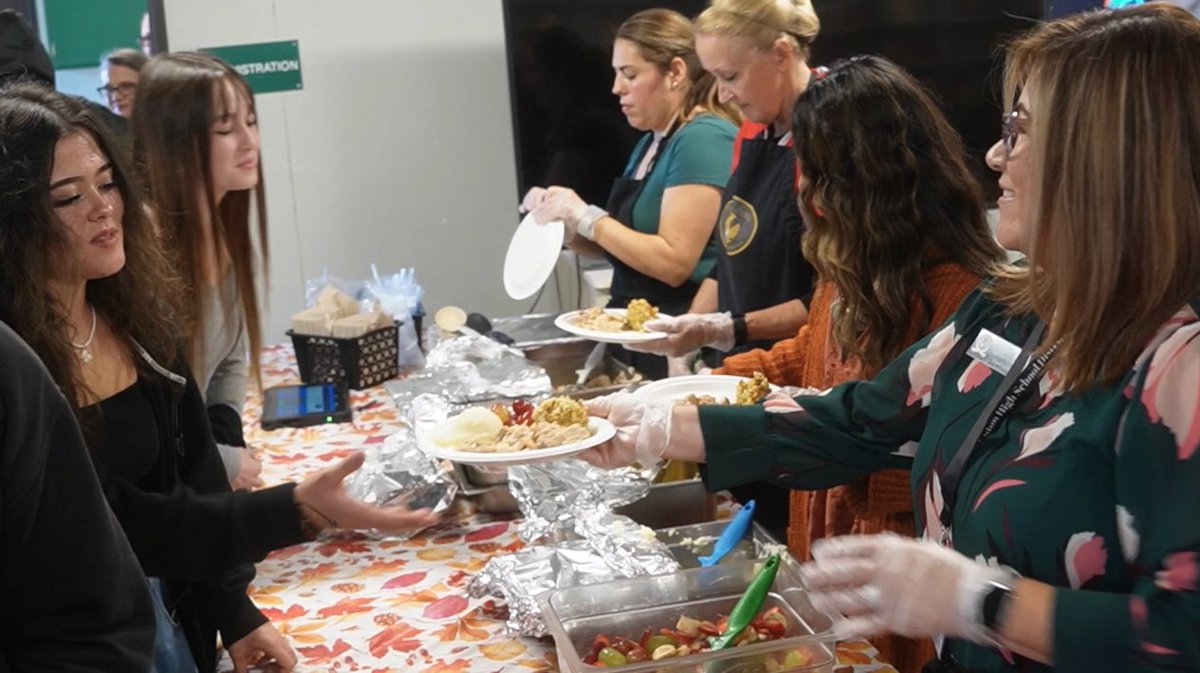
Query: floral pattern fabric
1097	494
355	604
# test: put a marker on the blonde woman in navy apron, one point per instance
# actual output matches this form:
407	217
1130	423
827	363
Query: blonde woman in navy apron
758	291
656	227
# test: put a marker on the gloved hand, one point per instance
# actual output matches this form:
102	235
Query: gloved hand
891	584
643	431
533	199
688	332
560	203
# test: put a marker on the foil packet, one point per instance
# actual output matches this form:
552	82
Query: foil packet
471	369
552	495
523	577
396	471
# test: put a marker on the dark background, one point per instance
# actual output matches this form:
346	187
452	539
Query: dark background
568	129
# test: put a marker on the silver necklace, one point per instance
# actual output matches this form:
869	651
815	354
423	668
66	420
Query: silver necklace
85	348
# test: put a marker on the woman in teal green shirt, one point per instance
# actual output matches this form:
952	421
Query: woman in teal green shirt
1052	426
656	228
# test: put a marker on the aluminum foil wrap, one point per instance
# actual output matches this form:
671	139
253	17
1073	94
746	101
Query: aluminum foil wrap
472	369
551	495
521	578
626	546
396	471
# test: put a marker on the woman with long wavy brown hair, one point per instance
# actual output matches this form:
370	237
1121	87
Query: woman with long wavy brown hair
196	144
897	234
84	281
1052	425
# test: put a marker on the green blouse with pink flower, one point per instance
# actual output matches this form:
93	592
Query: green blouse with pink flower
1097	493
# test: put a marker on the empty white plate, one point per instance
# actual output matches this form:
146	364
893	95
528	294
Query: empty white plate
532	255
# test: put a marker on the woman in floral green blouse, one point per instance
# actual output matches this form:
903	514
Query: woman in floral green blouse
1053	424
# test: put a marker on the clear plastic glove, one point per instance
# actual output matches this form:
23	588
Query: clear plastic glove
322	497
680	366
561	203
891	584
687	333
533	199
263	648
643	431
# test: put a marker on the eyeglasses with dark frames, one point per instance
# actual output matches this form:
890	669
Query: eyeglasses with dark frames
111	92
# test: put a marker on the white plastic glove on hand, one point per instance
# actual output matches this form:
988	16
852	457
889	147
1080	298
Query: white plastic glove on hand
643	431
891	584
687	333
533	199
561	203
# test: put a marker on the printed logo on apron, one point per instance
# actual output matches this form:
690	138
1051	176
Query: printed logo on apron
737	225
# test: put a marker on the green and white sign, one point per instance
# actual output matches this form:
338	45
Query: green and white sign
267	66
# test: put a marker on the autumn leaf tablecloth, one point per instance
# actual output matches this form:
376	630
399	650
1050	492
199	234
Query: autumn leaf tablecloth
385	606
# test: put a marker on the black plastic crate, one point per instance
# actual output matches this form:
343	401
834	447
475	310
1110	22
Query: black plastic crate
360	363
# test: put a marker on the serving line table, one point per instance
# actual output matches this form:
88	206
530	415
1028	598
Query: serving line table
386	606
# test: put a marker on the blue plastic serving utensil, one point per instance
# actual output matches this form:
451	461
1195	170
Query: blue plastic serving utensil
731	536
748	605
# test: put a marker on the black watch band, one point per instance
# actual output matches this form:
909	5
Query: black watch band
739	330
995	606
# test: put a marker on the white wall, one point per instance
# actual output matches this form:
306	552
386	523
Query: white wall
397	151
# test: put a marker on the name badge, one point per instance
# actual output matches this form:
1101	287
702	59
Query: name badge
998	353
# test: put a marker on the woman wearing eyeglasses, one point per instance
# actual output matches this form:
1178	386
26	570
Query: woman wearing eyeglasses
120	70
1052	425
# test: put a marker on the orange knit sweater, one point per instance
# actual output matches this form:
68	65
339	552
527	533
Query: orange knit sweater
882	501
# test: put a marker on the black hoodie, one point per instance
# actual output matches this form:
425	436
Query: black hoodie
73	593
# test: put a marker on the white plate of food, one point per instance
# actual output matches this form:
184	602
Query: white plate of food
707	389
531	257
502	435
612	325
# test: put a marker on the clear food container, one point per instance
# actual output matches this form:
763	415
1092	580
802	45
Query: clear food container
626	608
688	543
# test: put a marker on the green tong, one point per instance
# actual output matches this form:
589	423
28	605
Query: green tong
748	605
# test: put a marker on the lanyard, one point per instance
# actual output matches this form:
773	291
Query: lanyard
1016	384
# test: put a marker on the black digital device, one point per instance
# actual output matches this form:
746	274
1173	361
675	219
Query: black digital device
298	406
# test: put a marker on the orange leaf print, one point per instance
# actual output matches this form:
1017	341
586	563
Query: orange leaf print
503	651
456	666
381	568
319	572
321	654
436	554
308	638
348	546
534	664
446	538
447	633
346	606
280	616
400	637
474	629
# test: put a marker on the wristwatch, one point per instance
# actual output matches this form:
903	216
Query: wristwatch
740	335
997	600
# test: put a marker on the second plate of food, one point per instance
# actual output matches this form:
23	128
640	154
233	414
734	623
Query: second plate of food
612	325
707	389
502	435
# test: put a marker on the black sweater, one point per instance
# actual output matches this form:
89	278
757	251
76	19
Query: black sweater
177	510
73	596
